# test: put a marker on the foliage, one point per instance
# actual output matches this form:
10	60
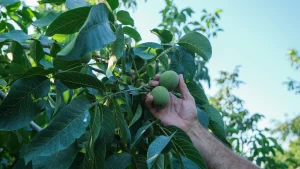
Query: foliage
82	80
292	84
289	130
242	126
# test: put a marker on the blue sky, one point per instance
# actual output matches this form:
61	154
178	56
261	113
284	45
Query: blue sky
257	36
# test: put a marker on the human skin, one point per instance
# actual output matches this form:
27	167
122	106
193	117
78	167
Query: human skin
182	112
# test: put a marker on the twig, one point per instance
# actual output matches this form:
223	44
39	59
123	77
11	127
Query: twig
32	124
100	57
97	70
35	127
114	94
152	60
28	48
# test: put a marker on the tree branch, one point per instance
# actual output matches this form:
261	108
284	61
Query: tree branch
152	60
97	70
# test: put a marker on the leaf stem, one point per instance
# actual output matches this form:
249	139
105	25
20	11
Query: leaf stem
152	60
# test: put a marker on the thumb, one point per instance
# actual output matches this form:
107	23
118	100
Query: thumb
184	91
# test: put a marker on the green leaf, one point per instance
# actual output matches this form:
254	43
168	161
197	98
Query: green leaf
197	92
125	18
68	22
187	163
118	45
57	2
138	161
15	35
68	125
8	2
89	158
164	60
117	51
118	161
139	134
165	36
196	43
183	145
36	71
114	4
36	51
216	123
23	102
46	20
74	65
108	124
17	53
132	33
71	4
76	80
203	117
182	62
137	115
63	39
150	71
63	96
59	160
121	123
95	34
156	148
100	152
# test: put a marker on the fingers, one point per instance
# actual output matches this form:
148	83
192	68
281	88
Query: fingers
156	77
155	81
148	101
184	91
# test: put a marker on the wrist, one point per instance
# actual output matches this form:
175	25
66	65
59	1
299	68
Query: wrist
195	127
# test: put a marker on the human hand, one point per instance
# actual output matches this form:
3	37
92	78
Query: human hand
180	112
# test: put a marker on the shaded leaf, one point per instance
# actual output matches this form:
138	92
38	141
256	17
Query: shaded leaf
23	102
17	53
36	51
59	160
138	161
100	152
137	115
76	80
197	92
183	145
108	123
68	22
196	43
203	117
118	161
216	123
68	125
8	2
182	62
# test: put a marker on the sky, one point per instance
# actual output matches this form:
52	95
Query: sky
257	35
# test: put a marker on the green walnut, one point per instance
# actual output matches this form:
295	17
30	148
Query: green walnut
161	97
169	79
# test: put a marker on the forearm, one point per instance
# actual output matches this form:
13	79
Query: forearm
214	152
